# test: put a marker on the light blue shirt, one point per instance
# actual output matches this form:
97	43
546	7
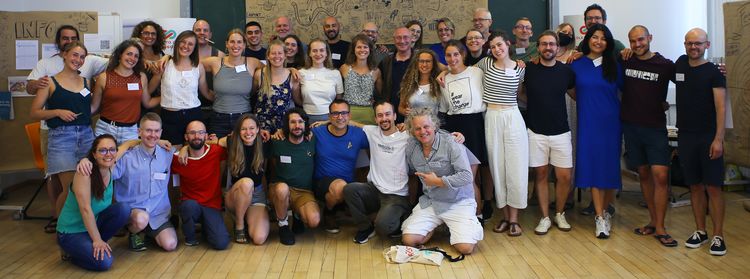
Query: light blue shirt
141	181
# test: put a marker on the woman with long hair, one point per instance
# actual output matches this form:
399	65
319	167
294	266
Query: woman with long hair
121	91
420	87
320	82
294	50
278	90
361	76
233	83
599	137
68	114
90	217
505	132
567	36
415	27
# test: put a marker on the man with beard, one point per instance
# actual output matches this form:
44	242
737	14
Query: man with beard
254	36
386	190
337	146
200	188
290	172
370	29
339	47
546	84
205	46
701	89
644	97
393	68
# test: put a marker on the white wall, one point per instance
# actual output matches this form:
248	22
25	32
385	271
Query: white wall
126	8
668	20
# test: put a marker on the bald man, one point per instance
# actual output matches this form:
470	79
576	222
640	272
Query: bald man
205	48
701	89
339	47
370	29
283	27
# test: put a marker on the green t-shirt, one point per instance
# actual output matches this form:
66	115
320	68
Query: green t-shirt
528	53
294	163
70	220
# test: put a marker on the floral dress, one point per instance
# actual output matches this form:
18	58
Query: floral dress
270	109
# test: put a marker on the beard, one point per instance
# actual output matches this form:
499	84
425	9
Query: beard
197	144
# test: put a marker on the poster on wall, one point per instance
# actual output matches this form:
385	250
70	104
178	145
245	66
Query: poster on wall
6	106
17	86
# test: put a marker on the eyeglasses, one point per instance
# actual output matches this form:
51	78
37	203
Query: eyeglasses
547	44
523	27
421	61
338	113
694	44
593	18
105	151
148	34
199	132
480	19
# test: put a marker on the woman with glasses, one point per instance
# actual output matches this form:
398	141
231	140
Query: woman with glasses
415	27
475	51
445	31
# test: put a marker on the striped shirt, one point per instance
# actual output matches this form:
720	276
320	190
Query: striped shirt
500	85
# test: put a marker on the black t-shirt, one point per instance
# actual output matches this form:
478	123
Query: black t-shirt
471	61
397	74
260	54
248	171
645	90
696	111
338	53
546	88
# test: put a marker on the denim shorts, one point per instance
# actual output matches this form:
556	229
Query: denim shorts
66	145
121	134
222	124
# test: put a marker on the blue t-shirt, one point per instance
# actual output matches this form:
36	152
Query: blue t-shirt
335	156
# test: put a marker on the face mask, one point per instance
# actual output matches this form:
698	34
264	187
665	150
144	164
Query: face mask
565	39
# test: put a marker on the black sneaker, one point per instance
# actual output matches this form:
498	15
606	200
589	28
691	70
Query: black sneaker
135	243
487	209
718	246
589	210
697	239
298	226
364	235
191	243
331	226
286	236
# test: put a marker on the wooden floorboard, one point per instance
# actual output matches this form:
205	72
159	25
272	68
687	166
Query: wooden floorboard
27	252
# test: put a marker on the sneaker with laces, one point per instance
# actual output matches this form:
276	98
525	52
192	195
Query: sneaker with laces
601	227
286	236
718	246
135	243
697	239
364	235
561	222
608	220
543	227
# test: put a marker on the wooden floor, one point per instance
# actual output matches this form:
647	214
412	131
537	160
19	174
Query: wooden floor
27	252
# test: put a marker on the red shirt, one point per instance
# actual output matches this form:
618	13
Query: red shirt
200	179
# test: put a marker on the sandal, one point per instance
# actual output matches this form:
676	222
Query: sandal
240	236
645	230
51	227
502	227
515	229
663	239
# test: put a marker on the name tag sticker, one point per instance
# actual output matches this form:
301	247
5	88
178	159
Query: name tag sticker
679	77
434	164
187	74
335	56
309	76
160	176
240	68
597	62
285	159
133	86
520	50
264	62
509	72
85	92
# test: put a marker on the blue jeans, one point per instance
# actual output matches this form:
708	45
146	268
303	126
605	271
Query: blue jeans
214	229
222	123
80	246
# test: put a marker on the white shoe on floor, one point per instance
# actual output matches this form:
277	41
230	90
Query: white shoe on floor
561	222
543	227
601	227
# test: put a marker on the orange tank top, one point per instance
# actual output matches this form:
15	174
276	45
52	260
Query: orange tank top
121	100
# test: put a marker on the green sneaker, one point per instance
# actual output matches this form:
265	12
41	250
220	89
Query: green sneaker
135	243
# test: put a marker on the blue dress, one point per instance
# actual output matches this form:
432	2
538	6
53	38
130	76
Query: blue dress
599	135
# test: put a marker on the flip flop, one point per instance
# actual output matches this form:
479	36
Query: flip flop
240	236
645	230
662	238
51	226
502	227
514	232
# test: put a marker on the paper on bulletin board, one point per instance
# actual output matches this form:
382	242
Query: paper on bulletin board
27	54
17	86
6	106
98	43
49	50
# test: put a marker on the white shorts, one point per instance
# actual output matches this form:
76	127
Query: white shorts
554	150
460	219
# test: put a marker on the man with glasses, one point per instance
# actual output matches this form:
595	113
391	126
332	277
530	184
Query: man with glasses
200	188
595	14
337	146
701	89
482	21
523	48
370	29
254	36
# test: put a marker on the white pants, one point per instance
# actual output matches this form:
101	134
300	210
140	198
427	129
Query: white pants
460	219
508	155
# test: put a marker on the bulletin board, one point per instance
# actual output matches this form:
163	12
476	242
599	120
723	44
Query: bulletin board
737	36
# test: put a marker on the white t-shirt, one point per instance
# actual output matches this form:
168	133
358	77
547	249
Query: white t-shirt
388	169
462	93
319	87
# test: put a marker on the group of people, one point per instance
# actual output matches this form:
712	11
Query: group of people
290	124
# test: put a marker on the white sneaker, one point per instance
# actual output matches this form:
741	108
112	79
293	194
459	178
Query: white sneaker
543	227
601	227
608	221
561	222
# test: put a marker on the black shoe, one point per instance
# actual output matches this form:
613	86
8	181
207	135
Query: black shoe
135	243
286	236
611	210
718	246
487	210
589	210
697	239
298	226
331	226
364	235
191	243
396	234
